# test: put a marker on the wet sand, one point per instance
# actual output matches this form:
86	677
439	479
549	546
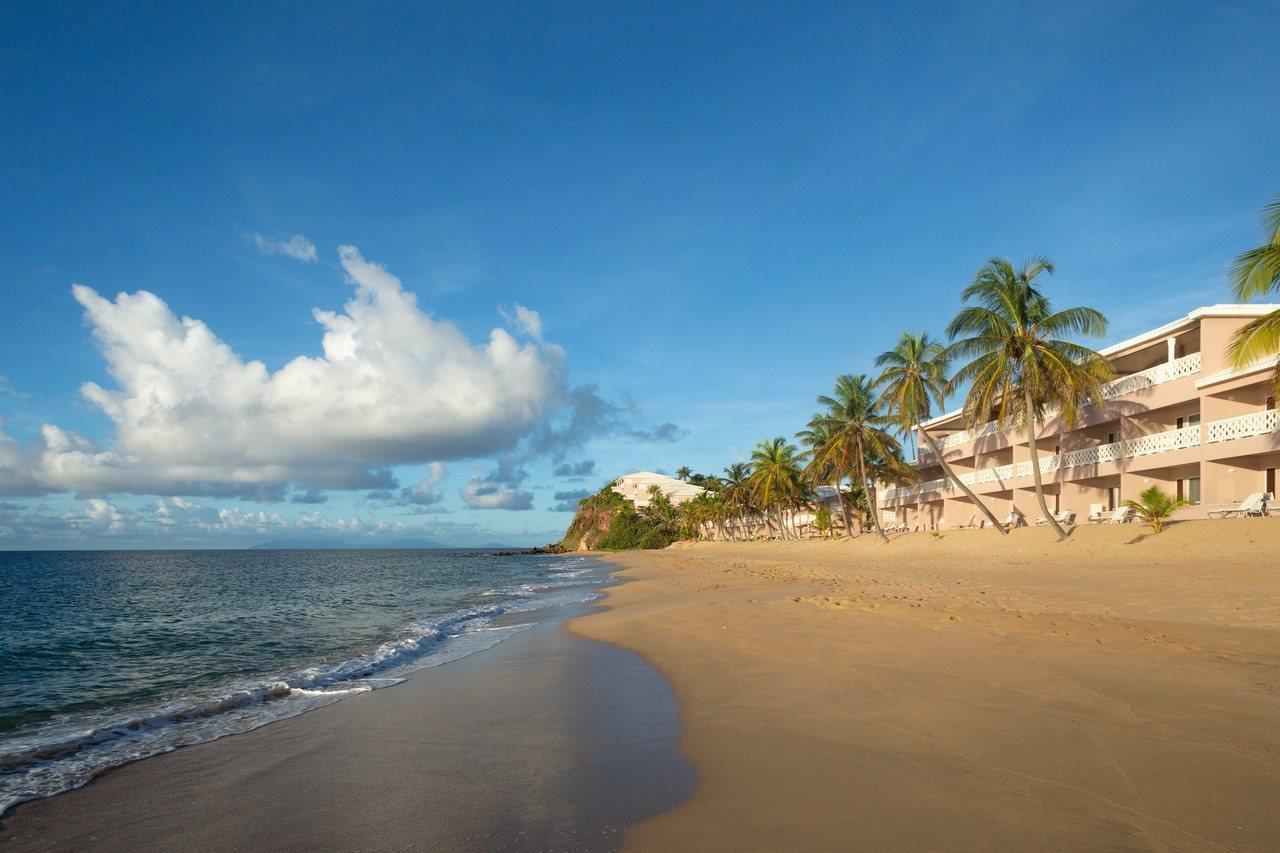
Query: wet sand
546	741
1118	691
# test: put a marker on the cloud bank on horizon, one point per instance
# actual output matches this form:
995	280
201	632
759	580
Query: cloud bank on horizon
393	386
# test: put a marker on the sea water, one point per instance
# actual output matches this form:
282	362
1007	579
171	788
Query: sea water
111	656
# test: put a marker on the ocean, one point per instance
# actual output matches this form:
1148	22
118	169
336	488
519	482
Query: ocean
107	657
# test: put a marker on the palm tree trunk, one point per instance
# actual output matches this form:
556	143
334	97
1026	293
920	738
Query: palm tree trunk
1035	465
871	494
946	469
844	511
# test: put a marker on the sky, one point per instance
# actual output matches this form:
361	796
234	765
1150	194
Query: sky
401	274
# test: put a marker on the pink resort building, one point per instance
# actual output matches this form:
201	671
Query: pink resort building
1177	416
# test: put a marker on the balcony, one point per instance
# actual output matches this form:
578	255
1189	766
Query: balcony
1243	426
1188	365
1145	445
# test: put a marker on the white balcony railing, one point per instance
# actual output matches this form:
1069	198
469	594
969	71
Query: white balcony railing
1188	365
1160	442
1243	426
1113	452
1145	445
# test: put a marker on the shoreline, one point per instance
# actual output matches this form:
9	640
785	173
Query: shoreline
543	740
1116	690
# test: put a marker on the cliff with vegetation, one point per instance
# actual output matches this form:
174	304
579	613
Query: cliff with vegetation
607	521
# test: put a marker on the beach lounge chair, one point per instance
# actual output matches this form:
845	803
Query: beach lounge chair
1122	515
1097	513
1015	519
1251	505
971	524
1062	517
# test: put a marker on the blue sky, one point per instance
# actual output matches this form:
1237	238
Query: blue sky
712	209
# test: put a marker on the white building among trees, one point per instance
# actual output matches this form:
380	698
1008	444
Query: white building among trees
635	488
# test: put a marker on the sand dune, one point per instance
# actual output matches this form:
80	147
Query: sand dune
1118	690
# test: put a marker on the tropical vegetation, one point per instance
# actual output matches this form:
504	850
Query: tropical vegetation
913	381
1256	273
1021	364
1022	367
1155	508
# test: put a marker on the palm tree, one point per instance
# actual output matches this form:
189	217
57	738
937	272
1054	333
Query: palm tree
1021	366
822	521
914	379
1254	273
858	432
683	473
736	493
819	468
775	477
704	509
1154	507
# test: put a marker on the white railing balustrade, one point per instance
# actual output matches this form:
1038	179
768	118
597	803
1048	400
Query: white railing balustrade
1092	455
1160	442
1188	365
1257	423
958	438
1243	426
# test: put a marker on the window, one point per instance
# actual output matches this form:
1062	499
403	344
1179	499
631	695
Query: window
1193	420
1113	498
1189	490
1271	481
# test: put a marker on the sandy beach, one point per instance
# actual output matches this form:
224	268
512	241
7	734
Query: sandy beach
1116	691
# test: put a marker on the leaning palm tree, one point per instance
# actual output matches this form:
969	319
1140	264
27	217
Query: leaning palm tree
913	381
1021	366
819	468
858	431
1253	274
1155	508
775	478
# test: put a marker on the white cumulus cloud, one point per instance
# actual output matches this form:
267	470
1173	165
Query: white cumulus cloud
393	385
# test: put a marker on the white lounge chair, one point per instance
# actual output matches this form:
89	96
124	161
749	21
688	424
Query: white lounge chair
971	524
1251	505
1062	517
1014	519
1097	513
1122	515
